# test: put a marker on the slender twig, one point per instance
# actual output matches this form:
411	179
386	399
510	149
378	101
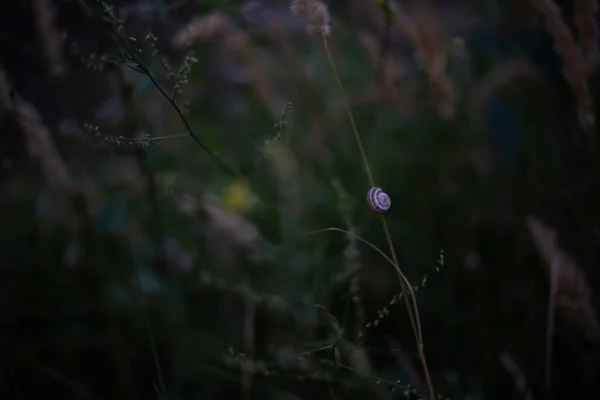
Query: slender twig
395	265
349	112
405	284
157	138
141	68
412	320
194	137
415	326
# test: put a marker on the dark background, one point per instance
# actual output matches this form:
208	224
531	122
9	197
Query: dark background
155	273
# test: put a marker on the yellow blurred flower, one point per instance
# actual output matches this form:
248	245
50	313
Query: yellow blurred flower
458	41
238	197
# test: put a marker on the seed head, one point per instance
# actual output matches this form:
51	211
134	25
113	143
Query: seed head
315	14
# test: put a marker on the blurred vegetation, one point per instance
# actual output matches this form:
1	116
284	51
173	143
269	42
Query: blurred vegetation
163	161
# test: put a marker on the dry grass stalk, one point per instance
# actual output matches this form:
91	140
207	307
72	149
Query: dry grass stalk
315	15
313	146
226	233
286	170
204	28
585	19
49	35
218	25
230	227
428	40
391	71
568	290
495	79
37	135
324	32
573	295
513	369
239	43
574	69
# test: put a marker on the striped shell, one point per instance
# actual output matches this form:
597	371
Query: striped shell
378	200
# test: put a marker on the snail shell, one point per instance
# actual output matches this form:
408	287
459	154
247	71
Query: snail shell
378	200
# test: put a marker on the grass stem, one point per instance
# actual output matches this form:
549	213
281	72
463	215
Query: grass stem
406	294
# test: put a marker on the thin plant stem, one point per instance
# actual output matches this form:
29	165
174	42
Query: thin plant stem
367	168
419	336
402	281
140	67
402	277
349	112
156	138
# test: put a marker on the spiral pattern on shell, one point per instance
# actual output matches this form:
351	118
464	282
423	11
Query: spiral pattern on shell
378	200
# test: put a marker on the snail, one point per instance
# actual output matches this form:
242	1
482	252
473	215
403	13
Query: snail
378	200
